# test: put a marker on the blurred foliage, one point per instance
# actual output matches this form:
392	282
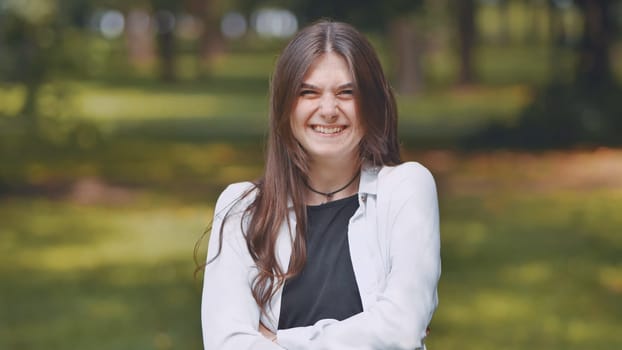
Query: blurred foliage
578	110
365	14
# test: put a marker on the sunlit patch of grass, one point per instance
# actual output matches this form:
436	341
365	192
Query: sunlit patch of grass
455	113
11	97
610	277
529	273
68	237
494	306
240	64
115	105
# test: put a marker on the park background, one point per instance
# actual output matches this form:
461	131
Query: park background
121	121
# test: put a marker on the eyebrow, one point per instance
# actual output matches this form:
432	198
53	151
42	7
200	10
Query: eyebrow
313	87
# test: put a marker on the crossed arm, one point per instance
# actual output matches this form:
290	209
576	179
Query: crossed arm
398	319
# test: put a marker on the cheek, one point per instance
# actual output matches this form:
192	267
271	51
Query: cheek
297	116
296	122
297	126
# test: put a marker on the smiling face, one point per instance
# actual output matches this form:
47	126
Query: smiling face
324	119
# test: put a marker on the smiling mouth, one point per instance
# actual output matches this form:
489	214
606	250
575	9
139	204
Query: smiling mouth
326	130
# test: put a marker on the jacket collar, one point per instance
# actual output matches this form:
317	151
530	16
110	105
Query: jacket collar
368	182
369	179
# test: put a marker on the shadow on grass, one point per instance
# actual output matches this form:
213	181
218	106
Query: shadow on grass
186	156
560	116
239	131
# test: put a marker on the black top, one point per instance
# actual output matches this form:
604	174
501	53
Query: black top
326	287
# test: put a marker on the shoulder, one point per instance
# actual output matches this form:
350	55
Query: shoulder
407	188
407	182
408	175
236	197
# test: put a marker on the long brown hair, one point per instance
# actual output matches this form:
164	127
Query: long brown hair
287	162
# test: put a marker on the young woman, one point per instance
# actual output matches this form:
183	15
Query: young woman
336	246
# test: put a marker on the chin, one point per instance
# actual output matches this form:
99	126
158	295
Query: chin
331	155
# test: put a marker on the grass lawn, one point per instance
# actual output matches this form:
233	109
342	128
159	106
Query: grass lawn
528	261
99	276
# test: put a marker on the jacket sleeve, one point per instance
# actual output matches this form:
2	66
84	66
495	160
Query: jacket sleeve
399	317
229	314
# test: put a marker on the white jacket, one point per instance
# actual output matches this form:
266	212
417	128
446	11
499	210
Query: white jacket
395	249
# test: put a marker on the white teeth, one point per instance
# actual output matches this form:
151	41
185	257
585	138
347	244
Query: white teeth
327	130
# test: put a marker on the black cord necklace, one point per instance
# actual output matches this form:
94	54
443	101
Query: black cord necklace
329	195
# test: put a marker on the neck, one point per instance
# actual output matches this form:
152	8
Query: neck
327	178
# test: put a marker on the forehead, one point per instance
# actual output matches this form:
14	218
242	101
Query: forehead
330	67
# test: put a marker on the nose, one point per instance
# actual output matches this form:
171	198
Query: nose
328	107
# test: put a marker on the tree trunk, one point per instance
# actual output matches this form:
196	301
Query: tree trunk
466	35
594	66
31	72
165	12
558	39
504	19
166	45
140	38
408	49
534	28
211	42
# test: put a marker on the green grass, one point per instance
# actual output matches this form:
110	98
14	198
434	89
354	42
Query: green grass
529	271
99	277
521	269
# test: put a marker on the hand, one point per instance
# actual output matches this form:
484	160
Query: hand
266	332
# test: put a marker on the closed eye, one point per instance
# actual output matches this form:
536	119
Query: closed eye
306	92
345	94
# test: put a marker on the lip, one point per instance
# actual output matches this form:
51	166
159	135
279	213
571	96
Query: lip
328	130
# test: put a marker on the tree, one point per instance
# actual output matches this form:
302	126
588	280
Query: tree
165	12
585	111
34	46
407	44
211	41
465	12
594	64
